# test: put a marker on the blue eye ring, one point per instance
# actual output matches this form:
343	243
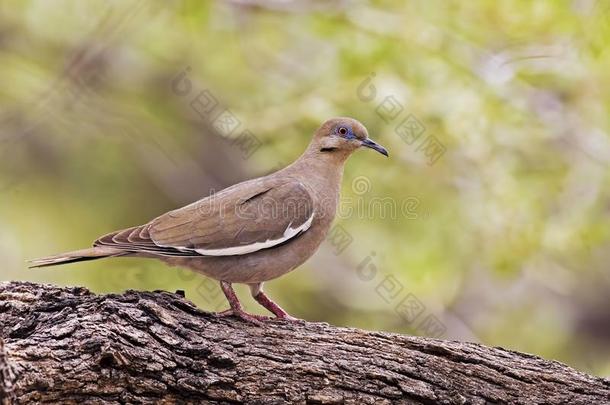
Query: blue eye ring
343	131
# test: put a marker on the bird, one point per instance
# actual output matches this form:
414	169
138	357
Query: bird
249	233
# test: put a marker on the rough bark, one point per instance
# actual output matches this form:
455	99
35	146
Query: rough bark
68	345
7	378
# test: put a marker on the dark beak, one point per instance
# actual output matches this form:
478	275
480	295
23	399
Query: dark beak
375	146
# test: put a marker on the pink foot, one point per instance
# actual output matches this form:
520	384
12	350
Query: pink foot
279	313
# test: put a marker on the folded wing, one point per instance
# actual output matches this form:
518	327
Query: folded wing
239	220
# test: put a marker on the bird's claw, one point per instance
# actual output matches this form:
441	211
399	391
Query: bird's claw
256	319
289	318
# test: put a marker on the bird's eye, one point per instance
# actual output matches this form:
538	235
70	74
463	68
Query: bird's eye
343	131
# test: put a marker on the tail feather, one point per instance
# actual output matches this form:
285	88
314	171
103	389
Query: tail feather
98	252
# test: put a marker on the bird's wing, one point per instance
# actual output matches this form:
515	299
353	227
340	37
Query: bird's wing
239	220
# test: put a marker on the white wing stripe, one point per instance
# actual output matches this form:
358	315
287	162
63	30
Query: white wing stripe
253	247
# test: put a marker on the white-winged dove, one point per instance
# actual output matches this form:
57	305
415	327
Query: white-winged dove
252	232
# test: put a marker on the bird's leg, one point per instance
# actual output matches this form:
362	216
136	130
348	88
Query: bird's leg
257	293
236	308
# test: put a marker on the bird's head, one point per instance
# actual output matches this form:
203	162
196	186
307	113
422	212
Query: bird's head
341	136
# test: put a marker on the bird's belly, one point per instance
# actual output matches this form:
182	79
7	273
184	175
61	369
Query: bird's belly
260	266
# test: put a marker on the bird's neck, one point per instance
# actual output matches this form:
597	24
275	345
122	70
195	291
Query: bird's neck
322	174
321	167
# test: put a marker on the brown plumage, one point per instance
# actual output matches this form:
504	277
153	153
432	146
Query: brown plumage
252	232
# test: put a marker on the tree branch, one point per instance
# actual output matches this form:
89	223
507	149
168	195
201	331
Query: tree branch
70	345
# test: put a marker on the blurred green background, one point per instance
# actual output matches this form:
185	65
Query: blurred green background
504	238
